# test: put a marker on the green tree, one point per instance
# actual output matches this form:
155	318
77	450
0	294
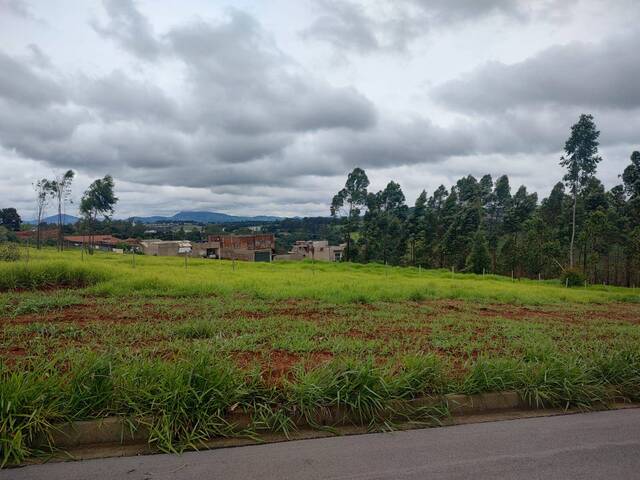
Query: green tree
415	227
10	219
631	176
98	200
479	258
43	193
581	161
61	191
349	202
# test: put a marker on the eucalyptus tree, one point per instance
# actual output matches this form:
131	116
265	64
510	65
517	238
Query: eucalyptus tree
349	202
43	194
61	191
98	200
581	161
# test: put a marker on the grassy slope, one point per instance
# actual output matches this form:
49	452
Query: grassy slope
180	347
337	283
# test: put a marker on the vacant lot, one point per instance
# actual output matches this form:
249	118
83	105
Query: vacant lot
180	347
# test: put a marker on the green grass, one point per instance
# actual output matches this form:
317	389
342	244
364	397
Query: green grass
178	349
114	275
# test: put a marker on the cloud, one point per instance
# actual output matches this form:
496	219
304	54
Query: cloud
243	105
18	8
128	28
602	75
391	25
241	82
117	96
22	84
214	114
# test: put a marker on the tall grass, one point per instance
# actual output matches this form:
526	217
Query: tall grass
187	402
114	275
48	273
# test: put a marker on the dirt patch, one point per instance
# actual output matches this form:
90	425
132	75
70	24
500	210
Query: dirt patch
276	365
624	312
299	309
95	312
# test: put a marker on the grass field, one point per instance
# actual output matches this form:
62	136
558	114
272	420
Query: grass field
180	348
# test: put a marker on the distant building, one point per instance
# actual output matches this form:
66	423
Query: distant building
31	235
252	248
101	242
314	249
166	248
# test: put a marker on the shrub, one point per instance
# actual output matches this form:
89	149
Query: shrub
572	277
9	252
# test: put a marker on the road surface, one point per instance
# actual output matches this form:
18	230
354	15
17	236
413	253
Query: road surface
583	446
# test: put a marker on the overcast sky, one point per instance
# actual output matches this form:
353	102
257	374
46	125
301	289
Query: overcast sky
263	107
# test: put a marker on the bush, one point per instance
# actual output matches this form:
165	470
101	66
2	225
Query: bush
572	277
9	252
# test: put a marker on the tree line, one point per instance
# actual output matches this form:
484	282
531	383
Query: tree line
97	201
482	225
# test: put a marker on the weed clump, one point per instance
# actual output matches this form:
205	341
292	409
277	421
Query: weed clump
573	278
9	252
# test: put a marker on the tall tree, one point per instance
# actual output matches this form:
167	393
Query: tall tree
43	193
349	202
581	161
479	259
97	200
61	192
415	226
631	176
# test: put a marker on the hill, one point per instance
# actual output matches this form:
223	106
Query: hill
205	217
67	219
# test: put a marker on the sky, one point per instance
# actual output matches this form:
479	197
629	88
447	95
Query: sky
263	107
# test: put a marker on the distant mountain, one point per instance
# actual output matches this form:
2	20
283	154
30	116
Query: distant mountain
205	217
66	219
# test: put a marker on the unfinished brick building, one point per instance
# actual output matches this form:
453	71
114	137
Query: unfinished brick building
252	248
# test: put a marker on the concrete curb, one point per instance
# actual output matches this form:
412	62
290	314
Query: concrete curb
124	431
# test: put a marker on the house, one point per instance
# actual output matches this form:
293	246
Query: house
101	242
314	249
252	248
31	235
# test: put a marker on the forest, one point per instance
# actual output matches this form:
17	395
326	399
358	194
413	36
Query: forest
490	226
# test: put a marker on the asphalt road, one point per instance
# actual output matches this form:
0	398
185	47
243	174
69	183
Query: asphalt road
584	446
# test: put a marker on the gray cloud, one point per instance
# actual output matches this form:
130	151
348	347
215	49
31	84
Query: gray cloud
603	75
129	28
390	25
239	124
243	105
243	83
20	83
19	8
119	97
